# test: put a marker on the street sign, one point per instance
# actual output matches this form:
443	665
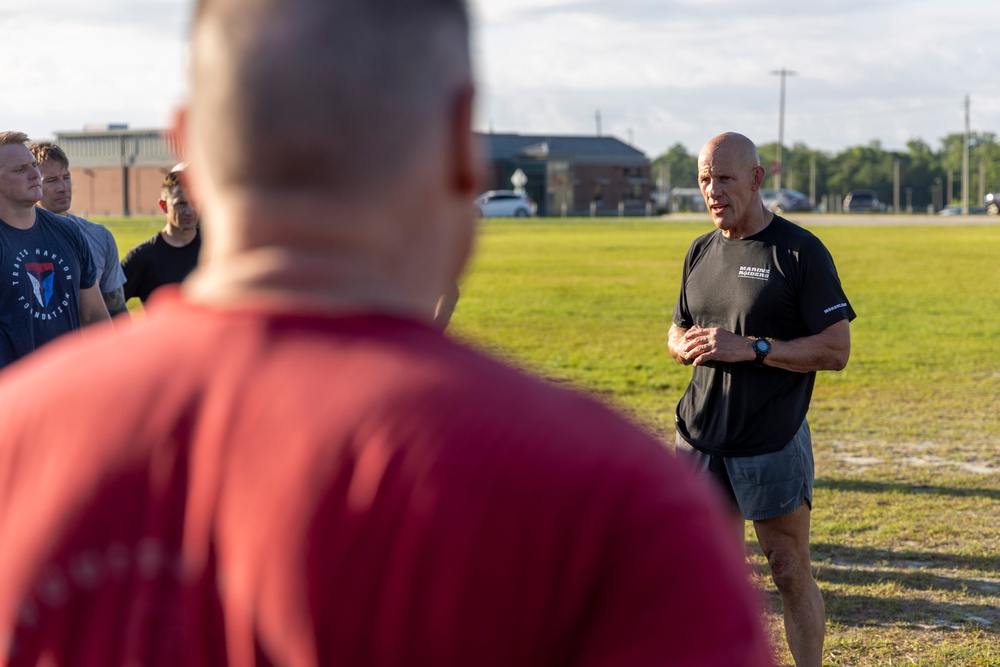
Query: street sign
518	180
775	168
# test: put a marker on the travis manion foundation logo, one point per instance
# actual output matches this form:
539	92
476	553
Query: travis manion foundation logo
42	279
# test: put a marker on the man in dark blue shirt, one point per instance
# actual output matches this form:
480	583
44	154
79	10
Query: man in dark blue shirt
47	274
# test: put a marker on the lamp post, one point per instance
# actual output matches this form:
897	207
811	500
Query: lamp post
781	122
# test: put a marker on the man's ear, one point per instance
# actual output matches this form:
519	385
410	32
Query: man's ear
467	167
163	206
758	177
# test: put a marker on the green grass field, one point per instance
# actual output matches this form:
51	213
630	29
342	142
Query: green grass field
905	530
128	232
906	539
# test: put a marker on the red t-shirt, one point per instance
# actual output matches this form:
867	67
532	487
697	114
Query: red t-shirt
251	487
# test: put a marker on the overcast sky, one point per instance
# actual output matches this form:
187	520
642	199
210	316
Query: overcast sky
659	71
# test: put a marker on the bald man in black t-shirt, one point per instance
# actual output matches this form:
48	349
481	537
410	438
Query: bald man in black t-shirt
760	310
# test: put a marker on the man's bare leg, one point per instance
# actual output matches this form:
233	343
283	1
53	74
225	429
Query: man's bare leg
785	542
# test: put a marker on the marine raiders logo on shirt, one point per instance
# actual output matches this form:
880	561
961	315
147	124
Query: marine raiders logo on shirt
754	273
48	276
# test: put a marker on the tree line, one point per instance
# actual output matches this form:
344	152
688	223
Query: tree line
928	179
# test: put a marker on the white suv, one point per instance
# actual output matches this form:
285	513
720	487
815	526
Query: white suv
505	204
992	202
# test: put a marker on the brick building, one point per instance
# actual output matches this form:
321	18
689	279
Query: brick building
571	175
117	171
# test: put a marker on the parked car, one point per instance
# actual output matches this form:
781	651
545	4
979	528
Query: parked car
784	200
862	201
992	203
957	210
505	204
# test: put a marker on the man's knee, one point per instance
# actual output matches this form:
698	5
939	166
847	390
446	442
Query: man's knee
791	570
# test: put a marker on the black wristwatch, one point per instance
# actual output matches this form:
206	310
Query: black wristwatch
762	348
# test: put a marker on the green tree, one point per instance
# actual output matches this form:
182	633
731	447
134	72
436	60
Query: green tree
920	166
677	168
861	168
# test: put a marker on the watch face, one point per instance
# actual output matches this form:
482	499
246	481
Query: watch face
761	346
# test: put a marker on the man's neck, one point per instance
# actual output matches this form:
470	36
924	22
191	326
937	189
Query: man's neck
178	238
753	226
17	216
314	254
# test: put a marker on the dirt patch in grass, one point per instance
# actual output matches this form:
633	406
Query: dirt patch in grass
906	550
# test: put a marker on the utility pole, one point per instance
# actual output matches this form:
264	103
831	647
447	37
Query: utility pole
982	183
781	122
598	116
895	186
812	180
965	162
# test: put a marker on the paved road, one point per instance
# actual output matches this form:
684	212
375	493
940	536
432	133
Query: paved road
874	219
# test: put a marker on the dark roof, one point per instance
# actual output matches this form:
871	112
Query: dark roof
579	148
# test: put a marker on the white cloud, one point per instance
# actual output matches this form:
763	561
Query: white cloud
680	71
664	72
74	63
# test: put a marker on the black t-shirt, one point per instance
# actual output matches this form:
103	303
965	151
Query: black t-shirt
780	283
154	263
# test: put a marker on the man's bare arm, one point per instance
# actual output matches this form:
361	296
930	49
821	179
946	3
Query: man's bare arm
445	307
92	308
115	301
828	350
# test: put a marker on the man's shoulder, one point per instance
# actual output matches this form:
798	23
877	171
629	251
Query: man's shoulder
58	224
543	418
50	219
703	241
89	225
406	373
83	222
789	232
94	230
144	247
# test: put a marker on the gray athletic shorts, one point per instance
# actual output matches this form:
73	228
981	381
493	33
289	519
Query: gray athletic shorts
764	486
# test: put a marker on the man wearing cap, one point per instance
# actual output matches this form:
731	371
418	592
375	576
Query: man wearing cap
171	254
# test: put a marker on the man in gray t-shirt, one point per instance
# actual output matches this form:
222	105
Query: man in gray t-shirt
57	195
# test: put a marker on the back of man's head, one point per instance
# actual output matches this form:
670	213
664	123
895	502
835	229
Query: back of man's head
321	95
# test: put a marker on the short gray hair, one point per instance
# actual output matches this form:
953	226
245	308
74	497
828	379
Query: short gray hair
336	94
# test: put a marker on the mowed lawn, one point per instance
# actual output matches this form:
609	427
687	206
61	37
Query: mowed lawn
128	232
906	535
905	528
